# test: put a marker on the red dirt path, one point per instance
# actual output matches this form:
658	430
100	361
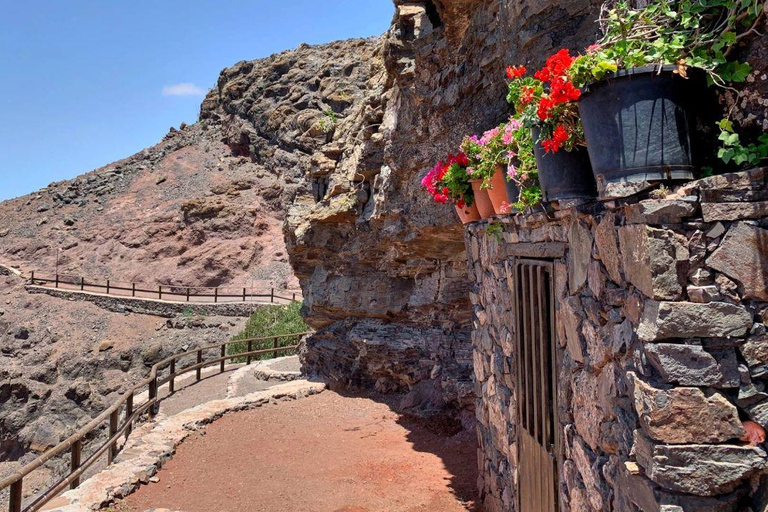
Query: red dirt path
322	453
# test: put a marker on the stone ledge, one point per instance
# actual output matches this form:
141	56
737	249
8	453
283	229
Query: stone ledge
152	444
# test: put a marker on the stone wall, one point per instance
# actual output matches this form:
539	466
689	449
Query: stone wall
150	306
661	306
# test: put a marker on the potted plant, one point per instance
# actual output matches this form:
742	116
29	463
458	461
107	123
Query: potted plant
490	159
645	94
449	181
546	104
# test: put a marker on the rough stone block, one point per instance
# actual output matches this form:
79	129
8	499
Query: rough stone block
652	261
579	255
743	256
685	415
649	497
608	247
699	469
734	211
660	211
703	294
759	413
691	365
755	353
664	320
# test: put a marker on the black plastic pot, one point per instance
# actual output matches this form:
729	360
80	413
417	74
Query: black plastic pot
513	191
640	125
564	174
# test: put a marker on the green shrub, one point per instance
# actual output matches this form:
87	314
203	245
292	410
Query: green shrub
270	321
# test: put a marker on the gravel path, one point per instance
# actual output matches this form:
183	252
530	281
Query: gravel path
324	453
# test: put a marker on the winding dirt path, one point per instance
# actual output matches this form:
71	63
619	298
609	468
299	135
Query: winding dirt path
327	452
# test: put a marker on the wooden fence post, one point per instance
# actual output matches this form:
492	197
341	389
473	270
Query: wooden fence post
128	413
187	293
171	383
33	277
294	297
107	286
243	290
152	394
215	295
250	347
82	283
113	419
199	360
274	346
160	292
223	353
57	280
133	289
16	495
272	295
77	454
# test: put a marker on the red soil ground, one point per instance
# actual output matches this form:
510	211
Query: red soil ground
327	452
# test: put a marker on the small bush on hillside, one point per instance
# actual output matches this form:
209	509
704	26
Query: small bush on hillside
270	321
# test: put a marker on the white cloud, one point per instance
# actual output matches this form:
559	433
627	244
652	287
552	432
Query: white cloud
183	89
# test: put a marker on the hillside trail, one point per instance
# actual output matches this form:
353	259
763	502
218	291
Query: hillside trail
324	453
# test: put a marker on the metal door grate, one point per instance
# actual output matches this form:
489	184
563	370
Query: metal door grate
538	439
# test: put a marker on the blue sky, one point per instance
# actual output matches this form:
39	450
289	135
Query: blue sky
87	82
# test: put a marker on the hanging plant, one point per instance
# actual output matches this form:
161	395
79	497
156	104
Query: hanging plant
686	35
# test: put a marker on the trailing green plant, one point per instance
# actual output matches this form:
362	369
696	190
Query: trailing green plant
734	151
270	321
495	229
523	170
687	34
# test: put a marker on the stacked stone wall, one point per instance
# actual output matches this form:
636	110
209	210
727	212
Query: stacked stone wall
661	306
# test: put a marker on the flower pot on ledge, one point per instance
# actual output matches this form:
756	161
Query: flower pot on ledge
564	174
497	193
468	214
482	200
640	125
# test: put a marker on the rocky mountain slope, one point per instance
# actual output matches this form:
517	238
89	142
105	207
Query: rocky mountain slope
205	206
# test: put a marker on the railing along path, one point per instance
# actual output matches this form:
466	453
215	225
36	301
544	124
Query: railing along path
169	292
132	413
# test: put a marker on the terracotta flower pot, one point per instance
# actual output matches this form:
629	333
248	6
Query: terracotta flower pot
468	213
498	192
483	202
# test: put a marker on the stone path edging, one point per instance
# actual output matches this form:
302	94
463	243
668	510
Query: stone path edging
152	444
262	371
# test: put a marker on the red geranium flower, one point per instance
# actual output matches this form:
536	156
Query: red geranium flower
559	137
545	105
515	72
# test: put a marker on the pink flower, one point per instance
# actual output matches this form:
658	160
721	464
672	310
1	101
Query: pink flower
511	171
593	48
470	170
509	135
514	123
487	136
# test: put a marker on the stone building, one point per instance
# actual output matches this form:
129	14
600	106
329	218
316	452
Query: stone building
619	349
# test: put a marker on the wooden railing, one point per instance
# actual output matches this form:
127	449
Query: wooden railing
131	414
169	292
